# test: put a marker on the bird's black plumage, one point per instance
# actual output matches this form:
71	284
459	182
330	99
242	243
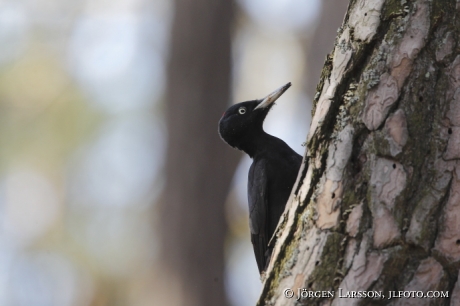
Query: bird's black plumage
273	171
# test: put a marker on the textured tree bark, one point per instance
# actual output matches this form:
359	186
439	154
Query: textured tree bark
199	166
379	206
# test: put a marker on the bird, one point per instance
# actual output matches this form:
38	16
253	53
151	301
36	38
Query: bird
273	171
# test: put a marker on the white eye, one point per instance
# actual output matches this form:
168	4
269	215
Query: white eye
242	110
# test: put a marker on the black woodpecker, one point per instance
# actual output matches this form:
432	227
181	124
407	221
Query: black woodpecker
273	171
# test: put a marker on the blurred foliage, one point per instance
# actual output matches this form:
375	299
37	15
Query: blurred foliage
43	116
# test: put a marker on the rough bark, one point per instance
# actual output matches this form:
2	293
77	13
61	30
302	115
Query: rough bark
199	166
379	206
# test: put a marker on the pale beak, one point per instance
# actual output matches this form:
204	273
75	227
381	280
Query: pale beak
268	100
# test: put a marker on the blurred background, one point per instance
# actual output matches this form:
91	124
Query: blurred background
115	187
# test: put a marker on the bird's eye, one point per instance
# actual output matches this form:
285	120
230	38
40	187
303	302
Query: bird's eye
242	110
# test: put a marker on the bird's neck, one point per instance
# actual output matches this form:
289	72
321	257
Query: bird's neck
254	145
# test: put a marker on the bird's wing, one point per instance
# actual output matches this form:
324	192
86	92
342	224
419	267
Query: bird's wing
258	211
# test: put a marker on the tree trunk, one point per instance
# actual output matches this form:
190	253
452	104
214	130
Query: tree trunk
199	166
379	206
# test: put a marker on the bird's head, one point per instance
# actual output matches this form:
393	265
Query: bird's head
242	122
